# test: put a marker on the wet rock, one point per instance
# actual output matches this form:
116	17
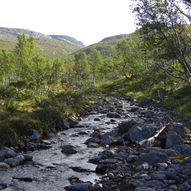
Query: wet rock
92	140
72	121
149	114
162	166
20	159
4	166
132	158
96	134
3	186
113	115
106	139
74	180
103	168
182	149
124	126
94	160
79	187
173	139
93	145
80	169
25	179
82	133
186	186
66	125
152	158
35	135
187	159
68	149
144	189
138	133
28	157
6	152
144	101
159	176
143	166
12	162
97	119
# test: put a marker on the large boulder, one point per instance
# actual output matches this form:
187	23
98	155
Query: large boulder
140	132
124	126
172	139
113	115
6	152
144	101
68	149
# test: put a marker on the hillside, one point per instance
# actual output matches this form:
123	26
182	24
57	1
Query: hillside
67	38
106	46
48	46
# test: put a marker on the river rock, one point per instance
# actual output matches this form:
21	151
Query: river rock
144	189
152	158
66	125
20	158
124	126
28	157
144	101
68	149
79	187
72	121
6	152
4	166
12	162
3	186
113	115
172	139
35	135
182	149
139	132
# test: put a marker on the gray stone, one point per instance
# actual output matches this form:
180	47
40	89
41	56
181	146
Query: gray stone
172	139
12	162
187	159
28	157
182	149
113	115
20	158
68	149
4	166
143	166
144	189
66	125
152	158
138	133
124	126
35	135
79	187
144	101
159	176
6	152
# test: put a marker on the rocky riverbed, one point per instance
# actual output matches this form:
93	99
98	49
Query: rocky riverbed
115	145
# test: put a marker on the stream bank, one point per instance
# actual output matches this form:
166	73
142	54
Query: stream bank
104	151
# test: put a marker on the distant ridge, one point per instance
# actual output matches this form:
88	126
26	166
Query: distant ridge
52	46
68	38
121	36
16	31
107	47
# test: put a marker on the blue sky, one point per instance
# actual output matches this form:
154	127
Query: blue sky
86	20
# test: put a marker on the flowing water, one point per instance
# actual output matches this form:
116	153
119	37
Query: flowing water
52	168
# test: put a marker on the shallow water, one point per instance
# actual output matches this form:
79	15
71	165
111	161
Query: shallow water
52	168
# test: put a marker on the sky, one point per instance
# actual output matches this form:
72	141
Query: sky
88	21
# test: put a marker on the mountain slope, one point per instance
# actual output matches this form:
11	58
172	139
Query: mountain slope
107	47
48	47
67	38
